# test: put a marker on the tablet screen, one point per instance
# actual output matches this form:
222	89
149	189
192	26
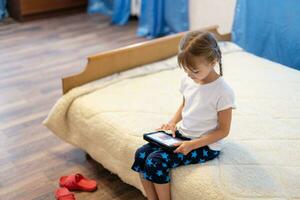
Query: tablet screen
164	138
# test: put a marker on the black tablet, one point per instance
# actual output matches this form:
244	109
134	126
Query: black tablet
163	139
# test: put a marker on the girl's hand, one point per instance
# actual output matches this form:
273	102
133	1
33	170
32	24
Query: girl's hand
169	126
184	147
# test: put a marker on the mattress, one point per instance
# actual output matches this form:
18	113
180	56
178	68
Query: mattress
260	158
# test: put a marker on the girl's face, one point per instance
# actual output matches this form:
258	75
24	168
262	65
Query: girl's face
201	72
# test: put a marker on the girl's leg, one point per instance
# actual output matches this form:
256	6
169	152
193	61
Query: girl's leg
159	163
157	171
149	189
163	191
139	166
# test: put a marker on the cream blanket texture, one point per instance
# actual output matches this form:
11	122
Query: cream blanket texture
261	155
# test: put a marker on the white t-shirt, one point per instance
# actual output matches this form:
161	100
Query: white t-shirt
202	103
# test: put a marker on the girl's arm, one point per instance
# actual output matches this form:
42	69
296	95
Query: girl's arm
171	125
224	121
177	117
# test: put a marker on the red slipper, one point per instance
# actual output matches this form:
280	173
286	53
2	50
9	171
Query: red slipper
78	182
64	194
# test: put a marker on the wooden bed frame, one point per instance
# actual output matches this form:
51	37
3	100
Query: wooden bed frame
128	57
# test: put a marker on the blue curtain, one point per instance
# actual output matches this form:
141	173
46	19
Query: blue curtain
119	10
3	12
161	17
104	7
157	17
270	29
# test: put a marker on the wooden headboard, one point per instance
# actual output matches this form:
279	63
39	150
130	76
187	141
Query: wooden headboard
121	59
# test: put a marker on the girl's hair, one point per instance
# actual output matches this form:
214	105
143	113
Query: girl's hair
198	43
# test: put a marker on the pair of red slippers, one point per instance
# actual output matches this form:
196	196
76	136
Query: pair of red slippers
74	182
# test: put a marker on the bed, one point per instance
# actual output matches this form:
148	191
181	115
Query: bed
124	93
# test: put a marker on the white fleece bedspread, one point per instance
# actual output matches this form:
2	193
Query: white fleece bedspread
261	156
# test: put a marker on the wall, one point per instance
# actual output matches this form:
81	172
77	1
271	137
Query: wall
210	12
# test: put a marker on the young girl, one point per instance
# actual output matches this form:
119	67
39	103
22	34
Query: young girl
205	115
